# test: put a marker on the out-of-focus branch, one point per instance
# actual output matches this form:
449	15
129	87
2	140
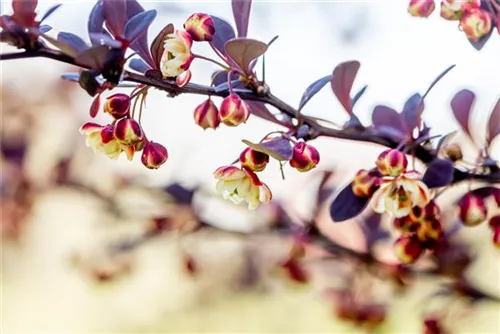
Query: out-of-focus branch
367	135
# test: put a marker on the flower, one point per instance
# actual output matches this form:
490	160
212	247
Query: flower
421	8
472	209
128	131
200	26
398	195
305	157
233	110
154	155
177	56
254	160
453	10
365	183
240	184
476	23
206	115
392	162
101	139
408	249
117	105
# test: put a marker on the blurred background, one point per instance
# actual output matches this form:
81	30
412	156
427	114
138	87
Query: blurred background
65	209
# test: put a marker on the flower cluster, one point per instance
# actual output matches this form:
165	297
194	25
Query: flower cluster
240	184
123	134
474	21
475	209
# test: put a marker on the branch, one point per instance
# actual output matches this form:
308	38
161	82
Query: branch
367	135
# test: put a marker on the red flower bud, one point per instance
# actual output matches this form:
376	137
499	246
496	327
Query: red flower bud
154	155
421	8
496	237
430	211
476	23
117	105
253	160
206	115
432	325
429	231
200	26
233	110
305	157
392	162
128	131
365	183
473	210
408	249
494	222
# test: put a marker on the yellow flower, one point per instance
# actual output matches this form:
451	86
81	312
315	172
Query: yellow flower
398	195
177	56
238	185
102	140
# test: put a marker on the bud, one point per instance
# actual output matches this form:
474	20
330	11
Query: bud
206	115
408	249
494	222
392	162
254	160
421	8
430	211
305	157
405	224
429	231
128	131
117	105
453	152
201	27
432	325
496	237
154	155
365	183
233	110
473	210
183	79
476	23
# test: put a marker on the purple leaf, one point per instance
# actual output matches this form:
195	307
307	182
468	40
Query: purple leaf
342	81
412	112
237	83
94	107
50	12
278	148
96	19
73	41
139	65
180	193
243	50
133	8
493	123
94	57
444	140
241	12
346	205
461	105
259	109
314	88
358	96
139	25
479	44
98	39
157	45
223	33
71	76
388	120
439	77
439	173
484	192
115	15
220	76
44	28
372	229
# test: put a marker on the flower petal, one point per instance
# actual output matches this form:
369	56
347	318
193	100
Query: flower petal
378	198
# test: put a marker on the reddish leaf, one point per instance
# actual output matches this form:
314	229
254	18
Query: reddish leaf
94	107
104	39
133	8
241	12
445	140
115	15
461	105
346	205
439	173
278	148
358	95
493	123
220	76
50	12
388	121
314	88
139	25
24	7
157	45
259	109
96	19
412	112
342	81
243	50
439	77
223	33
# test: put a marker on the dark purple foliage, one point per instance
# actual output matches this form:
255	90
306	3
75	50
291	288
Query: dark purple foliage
412	112
346	205
439	173
314	88
73	41
461	105
50	12
223	33
389	122
342	81
358	96
494	123
157	48
241	12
